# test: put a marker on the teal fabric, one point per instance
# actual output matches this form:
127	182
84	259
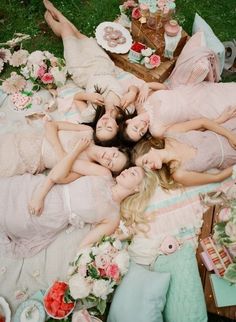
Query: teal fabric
185	298
140	297
212	41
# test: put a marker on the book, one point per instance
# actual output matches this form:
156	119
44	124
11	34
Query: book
224	292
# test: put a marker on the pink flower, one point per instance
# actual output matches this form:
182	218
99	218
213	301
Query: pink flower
1	65
5	54
102	261
41	71
19	58
113	272
136	13
129	4
47	78
13	84
155	60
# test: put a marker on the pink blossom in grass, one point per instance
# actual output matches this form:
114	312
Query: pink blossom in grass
19	58
1	65
5	54
14	84
47	78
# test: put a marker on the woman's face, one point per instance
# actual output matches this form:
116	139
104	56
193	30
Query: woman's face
137	127
106	128
113	159
131	178
152	160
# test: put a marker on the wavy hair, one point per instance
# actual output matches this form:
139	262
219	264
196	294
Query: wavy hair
132	209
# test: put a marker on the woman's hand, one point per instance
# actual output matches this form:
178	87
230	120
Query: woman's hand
35	206
81	145
228	113
127	99
232	141
96	98
143	94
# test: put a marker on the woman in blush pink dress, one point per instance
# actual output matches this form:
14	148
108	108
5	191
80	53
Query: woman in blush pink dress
189	93
189	153
26	228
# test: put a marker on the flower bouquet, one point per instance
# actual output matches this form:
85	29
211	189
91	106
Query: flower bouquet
141	54
95	273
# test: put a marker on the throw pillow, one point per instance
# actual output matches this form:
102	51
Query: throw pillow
185	298
212	41
140	297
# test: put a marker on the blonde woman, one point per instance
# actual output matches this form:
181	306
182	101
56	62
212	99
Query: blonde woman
90	199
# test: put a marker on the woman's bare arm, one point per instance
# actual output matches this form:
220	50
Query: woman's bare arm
105	228
95	98
191	178
206	124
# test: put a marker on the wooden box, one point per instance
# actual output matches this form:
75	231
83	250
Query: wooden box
159	74
140	32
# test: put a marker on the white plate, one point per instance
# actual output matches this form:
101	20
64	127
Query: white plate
6	310
120	48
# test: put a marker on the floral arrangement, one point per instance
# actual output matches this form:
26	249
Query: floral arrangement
165	6
95	273
42	68
225	234
139	53
128	7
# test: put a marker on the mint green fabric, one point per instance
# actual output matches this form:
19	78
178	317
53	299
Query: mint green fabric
212	41
140	297
185	298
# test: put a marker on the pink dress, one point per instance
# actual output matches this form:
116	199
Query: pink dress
212	150
192	92
28	150
86	200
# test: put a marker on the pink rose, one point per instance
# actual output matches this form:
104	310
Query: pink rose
136	13
47	78
102	261
155	60
113	272
41	71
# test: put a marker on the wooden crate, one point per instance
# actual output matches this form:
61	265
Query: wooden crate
140	32
159	74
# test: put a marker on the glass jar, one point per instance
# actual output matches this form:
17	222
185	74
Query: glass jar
152	20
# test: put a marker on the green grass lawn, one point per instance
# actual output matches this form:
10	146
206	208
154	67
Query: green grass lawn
27	16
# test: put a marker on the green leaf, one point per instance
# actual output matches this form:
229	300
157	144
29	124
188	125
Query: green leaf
102	306
230	273
93	272
67	296
36	87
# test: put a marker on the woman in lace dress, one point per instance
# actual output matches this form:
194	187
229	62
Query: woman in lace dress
188	153
189	93
91	68
96	200
34	150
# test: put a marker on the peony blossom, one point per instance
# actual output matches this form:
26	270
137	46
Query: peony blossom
84	256
136	13
79	287
101	288
47	78
122	261
113	272
102	261
36	57
48	55
155	60
5	54
13	84
59	75
19	58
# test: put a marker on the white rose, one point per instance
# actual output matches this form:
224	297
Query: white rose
48	55
84	256
117	244
104	248
25	72
102	288
146	60
34	71
122	261
59	75
36	57
79	287
230	230
146	52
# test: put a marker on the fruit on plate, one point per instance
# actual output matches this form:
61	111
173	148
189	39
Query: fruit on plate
54	302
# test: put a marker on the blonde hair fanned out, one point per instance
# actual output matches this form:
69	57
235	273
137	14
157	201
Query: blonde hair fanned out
132	209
